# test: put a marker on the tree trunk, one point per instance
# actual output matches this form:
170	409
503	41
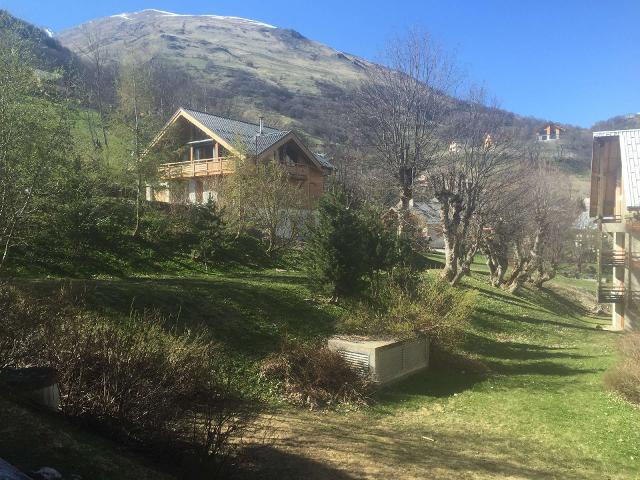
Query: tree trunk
450	259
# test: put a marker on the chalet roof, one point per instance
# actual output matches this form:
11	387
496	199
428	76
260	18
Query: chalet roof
552	125
324	161
630	159
235	132
428	211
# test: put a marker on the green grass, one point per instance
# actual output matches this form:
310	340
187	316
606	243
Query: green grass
540	412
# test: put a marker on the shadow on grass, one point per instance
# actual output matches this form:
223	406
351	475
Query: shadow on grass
421	449
484	316
508	350
269	463
434	382
249	317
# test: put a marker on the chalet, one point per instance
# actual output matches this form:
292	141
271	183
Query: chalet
210	146
615	204
550	131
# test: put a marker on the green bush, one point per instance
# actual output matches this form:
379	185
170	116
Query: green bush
335	247
353	245
624	377
413	307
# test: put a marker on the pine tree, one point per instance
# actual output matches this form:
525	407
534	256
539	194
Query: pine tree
335	250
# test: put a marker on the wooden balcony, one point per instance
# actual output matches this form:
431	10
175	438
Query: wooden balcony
209	167
611	219
613	258
607	294
206	167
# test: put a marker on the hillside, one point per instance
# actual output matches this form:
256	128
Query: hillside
271	70
246	68
48	53
620	122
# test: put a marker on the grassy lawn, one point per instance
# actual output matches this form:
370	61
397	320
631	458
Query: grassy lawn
541	411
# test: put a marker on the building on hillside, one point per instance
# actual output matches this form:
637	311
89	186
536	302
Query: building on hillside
427	218
615	204
550	131
211	146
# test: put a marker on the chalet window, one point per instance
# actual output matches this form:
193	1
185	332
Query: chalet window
203	152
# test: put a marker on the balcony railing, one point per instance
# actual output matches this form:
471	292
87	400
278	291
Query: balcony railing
607	294
613	258
197	168
611	219
216	166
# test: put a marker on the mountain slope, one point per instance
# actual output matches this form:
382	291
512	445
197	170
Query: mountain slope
47	51
264	68
245	68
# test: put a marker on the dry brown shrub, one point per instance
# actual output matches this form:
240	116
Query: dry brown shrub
315	377
624	377
136	379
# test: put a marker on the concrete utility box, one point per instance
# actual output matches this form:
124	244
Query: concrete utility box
384	360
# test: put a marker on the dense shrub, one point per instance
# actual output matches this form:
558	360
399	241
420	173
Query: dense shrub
625	376
335	247
135	379
412	307
314	376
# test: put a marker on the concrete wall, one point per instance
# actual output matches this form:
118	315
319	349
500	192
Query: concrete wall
385	361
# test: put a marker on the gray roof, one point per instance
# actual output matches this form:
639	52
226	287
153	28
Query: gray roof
322	160
428	211
630	158
236	132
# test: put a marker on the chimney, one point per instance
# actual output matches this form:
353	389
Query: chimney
261	124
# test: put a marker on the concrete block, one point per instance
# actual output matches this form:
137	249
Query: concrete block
384	360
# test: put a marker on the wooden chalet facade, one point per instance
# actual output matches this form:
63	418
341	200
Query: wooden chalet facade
550	131
615	204
211	146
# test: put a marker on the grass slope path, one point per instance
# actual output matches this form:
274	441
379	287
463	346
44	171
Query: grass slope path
542	412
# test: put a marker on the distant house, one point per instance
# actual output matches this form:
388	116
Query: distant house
615	204
427	215
212	144
550	131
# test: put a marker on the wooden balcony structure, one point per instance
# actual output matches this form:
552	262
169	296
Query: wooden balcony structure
210	167
613	258
608	294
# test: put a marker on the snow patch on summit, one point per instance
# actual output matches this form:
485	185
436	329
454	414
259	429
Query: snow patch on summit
127	16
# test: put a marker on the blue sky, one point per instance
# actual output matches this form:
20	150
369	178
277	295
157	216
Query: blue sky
570	61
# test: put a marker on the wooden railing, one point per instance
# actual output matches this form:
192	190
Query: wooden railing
216	166
298	170
610	294
198	168
613	258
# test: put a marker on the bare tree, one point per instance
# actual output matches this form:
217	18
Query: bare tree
99	77
401	107
548	211
467	179
263	196
503	221
136	113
